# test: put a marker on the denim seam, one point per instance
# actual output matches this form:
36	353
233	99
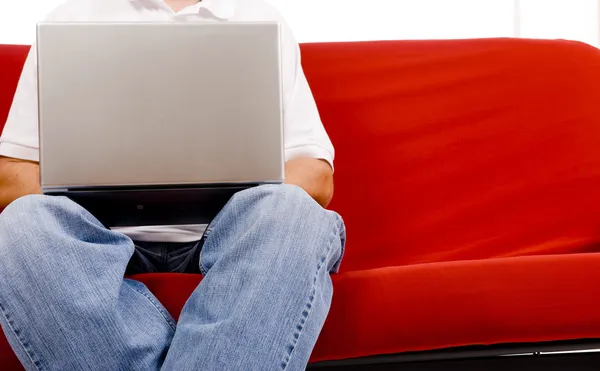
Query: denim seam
308	308
22	342
341	230
165	315
203	241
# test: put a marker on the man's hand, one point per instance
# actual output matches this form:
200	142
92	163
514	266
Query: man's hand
312	175
17	178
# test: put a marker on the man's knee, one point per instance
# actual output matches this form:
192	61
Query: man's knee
29	207
36	216
16	225
292	211
282	199
36	227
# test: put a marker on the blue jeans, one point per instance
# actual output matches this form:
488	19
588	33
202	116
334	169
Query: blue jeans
265	295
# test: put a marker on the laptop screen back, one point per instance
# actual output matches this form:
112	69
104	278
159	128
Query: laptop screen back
159	104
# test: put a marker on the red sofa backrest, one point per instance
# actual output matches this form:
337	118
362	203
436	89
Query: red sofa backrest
450	150
12	58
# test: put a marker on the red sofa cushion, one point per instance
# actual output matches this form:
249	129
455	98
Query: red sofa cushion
467	173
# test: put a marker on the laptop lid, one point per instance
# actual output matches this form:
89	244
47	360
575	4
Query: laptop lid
140	104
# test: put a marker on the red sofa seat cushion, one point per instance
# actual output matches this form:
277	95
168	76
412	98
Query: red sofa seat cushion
444	305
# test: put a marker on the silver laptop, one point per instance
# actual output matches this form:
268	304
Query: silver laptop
158	123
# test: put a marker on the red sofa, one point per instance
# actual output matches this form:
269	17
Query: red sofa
468	173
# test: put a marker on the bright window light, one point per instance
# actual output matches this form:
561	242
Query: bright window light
354	20
561	19
348	20
18	19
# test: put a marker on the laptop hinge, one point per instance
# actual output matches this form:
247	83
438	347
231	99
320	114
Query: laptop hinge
51	190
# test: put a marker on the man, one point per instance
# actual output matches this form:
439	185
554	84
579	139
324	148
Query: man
266	257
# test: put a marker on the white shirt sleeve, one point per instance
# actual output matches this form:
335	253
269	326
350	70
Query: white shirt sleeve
304	133
20	136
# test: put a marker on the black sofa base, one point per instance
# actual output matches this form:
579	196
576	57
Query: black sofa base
561	356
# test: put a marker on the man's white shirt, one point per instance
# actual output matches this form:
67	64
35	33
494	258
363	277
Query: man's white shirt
304	134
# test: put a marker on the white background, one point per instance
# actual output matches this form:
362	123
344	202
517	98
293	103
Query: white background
348	20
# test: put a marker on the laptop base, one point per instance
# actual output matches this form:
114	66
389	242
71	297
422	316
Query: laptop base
150	206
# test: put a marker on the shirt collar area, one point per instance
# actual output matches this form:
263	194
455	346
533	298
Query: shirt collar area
224	9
